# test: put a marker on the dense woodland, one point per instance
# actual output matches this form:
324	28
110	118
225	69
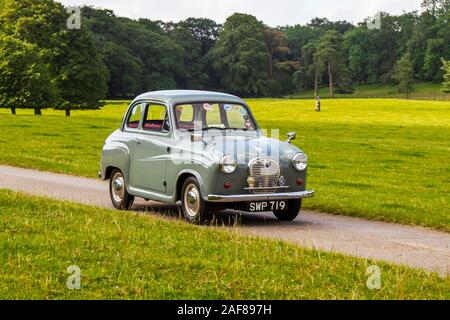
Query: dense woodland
43	64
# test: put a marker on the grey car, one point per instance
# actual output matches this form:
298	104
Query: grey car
205	151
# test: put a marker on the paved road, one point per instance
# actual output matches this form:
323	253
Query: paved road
417	247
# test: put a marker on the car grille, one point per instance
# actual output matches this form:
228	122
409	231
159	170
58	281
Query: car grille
264	175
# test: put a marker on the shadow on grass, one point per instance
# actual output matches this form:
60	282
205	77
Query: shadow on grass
223	218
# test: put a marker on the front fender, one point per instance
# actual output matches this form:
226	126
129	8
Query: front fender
115	154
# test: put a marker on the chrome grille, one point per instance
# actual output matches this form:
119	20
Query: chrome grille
265	174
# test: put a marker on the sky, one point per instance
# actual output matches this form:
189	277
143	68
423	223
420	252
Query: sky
271	12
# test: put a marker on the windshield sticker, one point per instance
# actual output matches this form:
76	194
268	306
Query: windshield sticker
227	107
207	107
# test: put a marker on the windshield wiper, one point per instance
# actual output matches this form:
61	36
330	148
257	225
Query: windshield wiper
206	128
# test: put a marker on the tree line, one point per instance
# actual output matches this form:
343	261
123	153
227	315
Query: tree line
43	64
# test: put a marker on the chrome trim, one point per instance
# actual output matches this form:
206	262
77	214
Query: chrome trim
265	188
261	196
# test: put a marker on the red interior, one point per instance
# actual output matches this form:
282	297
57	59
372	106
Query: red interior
186	125
153	125
133	124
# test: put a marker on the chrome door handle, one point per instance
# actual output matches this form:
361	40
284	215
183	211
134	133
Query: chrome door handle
138	141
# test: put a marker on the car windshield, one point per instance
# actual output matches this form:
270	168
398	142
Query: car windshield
209	116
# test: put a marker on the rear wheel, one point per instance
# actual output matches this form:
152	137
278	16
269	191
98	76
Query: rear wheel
120	197
291	213
194	208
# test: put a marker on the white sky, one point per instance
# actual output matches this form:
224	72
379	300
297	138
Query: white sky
271	12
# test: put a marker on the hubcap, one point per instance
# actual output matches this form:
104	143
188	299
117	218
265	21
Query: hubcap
192	200
118	187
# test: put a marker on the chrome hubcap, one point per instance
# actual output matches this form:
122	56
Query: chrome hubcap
192	200
118	187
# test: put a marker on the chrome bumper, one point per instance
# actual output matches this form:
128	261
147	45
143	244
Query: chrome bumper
261	196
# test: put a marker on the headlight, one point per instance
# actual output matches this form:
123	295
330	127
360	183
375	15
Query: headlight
300	161
228	164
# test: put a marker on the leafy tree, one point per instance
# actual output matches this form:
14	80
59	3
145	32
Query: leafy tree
125	71
205	31
308	73
76	66
446	71
436	49
276	46
299	36
280	67
404	74
240	56
330	53
81	72
25	80
192	73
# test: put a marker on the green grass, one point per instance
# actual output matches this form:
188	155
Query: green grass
382	159
126	255
421	91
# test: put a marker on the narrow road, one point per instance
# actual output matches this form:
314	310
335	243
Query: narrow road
414	246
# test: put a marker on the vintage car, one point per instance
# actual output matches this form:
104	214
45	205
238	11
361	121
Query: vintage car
206	151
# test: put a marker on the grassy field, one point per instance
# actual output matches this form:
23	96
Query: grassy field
373	158
422	91
126	255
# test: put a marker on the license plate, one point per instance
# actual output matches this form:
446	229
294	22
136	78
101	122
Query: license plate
261	206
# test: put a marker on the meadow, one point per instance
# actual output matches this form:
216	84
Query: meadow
382	159
125	255
421	91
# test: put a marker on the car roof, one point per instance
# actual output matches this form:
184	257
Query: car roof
185	96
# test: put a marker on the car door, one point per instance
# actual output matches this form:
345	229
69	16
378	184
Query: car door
149	157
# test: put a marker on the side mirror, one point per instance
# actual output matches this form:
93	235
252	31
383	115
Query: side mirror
291	136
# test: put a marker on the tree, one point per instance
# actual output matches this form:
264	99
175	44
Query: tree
125	71
404	74
25	80
276	45
280	67
432	62
81	72
240	56
446	71
76	66
206	31
327	54
192	73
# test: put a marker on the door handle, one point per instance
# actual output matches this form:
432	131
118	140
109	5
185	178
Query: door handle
138	141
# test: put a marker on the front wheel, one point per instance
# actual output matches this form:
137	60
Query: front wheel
194	208
291	213
120	197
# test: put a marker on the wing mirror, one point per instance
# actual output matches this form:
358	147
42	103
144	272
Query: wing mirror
291	136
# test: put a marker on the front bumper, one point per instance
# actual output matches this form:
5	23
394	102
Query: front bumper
261	196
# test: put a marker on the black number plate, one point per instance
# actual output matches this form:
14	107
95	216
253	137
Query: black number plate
261	206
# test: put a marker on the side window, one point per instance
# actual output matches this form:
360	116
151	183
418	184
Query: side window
156	119
135	116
